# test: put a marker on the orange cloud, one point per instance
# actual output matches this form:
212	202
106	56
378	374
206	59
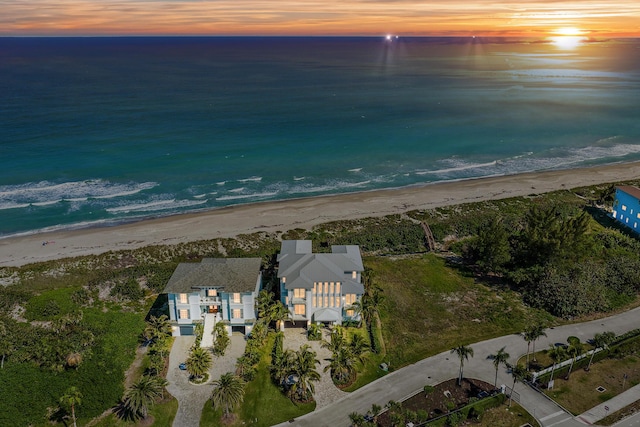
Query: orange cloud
315	17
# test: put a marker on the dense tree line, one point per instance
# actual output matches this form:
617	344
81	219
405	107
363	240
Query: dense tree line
560	260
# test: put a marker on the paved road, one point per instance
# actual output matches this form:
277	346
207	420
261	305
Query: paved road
399	384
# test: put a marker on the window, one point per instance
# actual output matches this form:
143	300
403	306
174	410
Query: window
349	299
326	301
330	301
299	293
183	299
331	287
638	216
337	287
299	309
183	314
236	298
326	287
315	287
337	299
350	313
624	208
315	301
354	274
237	313
284	280
212	292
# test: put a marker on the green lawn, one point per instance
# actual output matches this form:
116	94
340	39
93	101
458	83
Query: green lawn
579	393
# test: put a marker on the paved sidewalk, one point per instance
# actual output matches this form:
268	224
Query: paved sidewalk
618	402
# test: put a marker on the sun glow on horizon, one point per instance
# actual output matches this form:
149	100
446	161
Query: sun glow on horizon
569	32
568	37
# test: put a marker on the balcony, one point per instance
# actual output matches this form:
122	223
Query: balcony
210	300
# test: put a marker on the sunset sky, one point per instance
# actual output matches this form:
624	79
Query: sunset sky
535	18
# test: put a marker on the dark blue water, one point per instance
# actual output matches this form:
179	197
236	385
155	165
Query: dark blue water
104	130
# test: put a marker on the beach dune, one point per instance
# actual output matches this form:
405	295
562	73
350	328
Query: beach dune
298	213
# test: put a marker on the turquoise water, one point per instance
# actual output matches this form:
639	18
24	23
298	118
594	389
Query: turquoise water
97	131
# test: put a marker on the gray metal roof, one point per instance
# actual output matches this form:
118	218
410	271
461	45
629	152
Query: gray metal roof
226	274
301	267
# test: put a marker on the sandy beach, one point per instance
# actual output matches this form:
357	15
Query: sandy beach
299	213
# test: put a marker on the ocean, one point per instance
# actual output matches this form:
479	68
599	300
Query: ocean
100	131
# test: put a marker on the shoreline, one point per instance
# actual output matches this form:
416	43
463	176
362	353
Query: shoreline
283	215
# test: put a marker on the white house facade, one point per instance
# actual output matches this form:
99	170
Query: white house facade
320	287
216	289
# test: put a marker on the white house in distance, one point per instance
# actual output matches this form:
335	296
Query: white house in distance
320	288
213	290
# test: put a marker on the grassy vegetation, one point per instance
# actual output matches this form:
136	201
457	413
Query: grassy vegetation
579	393
430	307
160	414
29	390
503	416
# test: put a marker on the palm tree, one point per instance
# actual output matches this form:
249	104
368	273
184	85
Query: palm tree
282	367
537	332
342	365
337	339
359	346
500	358
199	362
264	301
228	392
600	341
69	400
304	370
157	327
278	313
556	354
463	353
259	331
519	373
141	396
530	335
574	350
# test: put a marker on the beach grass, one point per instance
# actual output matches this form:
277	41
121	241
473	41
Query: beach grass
430	307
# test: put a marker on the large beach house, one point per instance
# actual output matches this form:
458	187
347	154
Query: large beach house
321	287
216	289
626	207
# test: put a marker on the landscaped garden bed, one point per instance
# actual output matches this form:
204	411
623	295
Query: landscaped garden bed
437	401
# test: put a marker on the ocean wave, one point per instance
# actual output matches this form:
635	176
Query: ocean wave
299	178
11	205
354	170
159	205
236	190
462	166
45	192
247	196
251	179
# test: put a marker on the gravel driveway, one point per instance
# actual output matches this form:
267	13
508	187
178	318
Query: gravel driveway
326	392
192	398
